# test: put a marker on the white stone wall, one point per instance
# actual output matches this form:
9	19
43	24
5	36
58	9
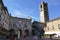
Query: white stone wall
49	28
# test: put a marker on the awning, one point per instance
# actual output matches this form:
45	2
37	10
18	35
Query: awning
55	32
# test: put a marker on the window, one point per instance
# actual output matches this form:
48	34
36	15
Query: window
41	6
14	25
52	27
0	17
48	28
59	26
1	9
25	25
45	6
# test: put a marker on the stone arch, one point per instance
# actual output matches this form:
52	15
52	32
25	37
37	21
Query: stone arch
26	32
12	31
33	32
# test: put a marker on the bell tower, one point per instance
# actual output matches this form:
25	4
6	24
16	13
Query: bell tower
44	16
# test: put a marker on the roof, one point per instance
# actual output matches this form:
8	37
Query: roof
20	18
38	22
54	19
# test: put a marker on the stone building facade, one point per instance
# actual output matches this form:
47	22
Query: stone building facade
38	28
19	26
4	18
23	26
51	26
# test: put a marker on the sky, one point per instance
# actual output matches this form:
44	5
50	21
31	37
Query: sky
25	8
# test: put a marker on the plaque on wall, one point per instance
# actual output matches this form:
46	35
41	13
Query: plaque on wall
19	24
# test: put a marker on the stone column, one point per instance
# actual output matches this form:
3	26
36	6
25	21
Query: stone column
18	34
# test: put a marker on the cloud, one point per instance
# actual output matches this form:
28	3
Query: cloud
17	13
35	18
20	13
24	14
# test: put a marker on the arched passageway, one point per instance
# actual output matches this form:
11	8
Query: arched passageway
12	32
33	32
26	32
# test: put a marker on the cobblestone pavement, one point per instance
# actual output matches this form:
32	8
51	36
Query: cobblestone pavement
39	39
50	39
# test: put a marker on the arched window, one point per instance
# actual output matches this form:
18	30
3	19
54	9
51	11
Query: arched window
41	6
